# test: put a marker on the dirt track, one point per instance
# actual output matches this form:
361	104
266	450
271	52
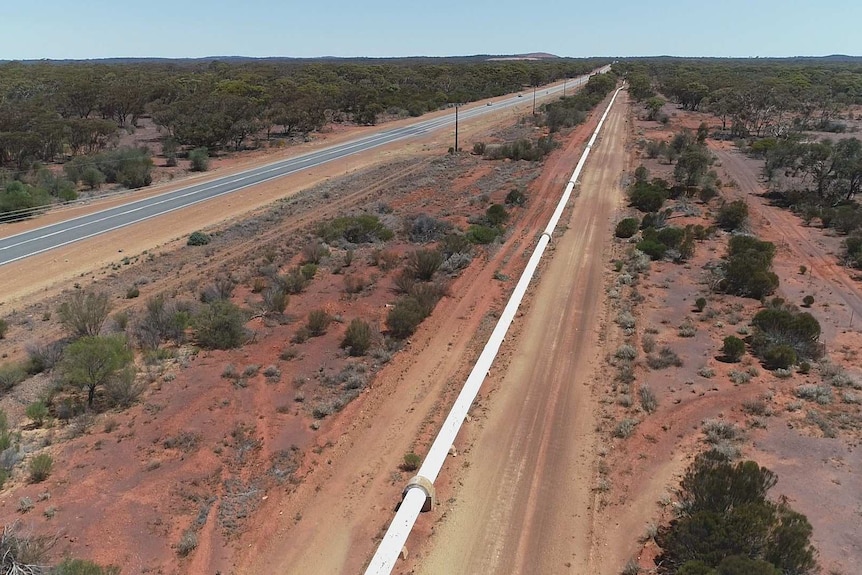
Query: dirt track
526	505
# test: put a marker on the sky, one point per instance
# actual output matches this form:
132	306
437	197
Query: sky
86	29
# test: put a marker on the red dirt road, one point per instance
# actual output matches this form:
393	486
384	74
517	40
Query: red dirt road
526	504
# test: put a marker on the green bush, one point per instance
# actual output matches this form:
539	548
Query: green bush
423	264
19	201
40	467
81	567
11	375
84	313
360	229
199	158
748	268
411	462
783	326
516	197
219	325
308	271
198	239
727	526
779	357
626	228
654	249
731	216
733	348
479	234
496	215
357	339
700	303
647	197
37	411
808	301
318	321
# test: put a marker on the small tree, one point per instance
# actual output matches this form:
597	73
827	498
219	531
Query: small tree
93	360
496	215
84	313
357	340
733	348
731	216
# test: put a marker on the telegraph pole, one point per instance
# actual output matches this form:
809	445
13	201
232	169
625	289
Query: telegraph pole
565	81
456	128
534	99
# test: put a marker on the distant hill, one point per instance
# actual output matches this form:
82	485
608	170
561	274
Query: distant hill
531	56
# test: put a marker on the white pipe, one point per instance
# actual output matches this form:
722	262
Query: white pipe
396	536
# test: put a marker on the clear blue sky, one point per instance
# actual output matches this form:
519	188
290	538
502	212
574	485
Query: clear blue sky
192	28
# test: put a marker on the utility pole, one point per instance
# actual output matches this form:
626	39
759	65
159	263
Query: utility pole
565	81
534	99
456	128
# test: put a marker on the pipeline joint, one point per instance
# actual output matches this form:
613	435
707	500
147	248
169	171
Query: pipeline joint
423	484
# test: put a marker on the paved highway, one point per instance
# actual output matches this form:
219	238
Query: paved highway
23	245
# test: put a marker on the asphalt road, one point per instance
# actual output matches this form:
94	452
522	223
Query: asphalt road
26	244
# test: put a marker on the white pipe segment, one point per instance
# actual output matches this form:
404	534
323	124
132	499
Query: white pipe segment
396	536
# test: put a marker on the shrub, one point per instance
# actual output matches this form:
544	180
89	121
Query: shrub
654	249
731	216
4	327
82	567
314	252
479	148
808	301
626	352
354	282
357	339
424	229
666	358
403	319
625	428
40	467
779	357
124	390
700	303
84	313
308	271
37	411
199	158
648	343
219	325
687	329
221	288
133	292
187	543
748	268
820	393
733	348
496	215
516	197
411	462
479	234
360	229
649	402
275	299
318	321
424	263
11	375
783	326
294	281
647	197
626	228
198	239
162	321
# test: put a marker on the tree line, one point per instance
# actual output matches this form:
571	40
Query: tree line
52	111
